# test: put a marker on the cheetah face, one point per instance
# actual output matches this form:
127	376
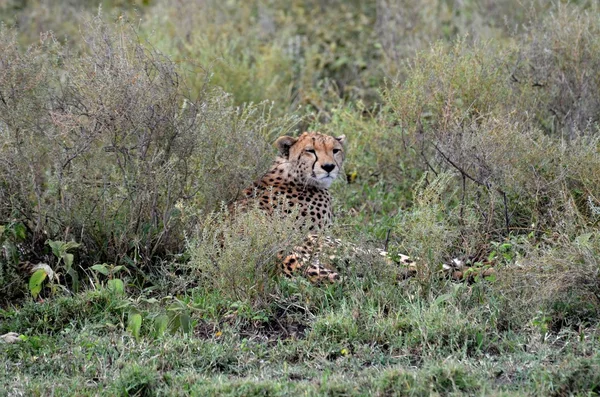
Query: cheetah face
313	158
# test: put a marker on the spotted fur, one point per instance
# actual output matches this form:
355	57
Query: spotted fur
301	175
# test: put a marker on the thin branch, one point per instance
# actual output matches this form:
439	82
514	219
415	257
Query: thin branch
387	240
506	219
486	185
463	172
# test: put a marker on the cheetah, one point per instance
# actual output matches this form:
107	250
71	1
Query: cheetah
301	175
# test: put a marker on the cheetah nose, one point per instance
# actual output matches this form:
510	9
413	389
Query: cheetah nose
328	167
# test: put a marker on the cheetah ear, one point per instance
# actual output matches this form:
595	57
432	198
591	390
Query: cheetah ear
284	143
341	139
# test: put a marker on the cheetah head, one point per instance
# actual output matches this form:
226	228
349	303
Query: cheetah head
312	158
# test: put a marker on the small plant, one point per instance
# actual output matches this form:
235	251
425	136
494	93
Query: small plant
426	230
42	271
114	284
174	317
11	235
61	249
541	322
237	254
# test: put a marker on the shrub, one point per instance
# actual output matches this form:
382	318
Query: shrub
240	53
64	18
297	54
459	112
427	231
237	255
99	147
554	285
559	58
408	28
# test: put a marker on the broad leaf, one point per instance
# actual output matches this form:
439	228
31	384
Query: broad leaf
116	285
70	245
75	278
19	231
161	323
101	269
186	323
35	282
134	323
68	258
56	248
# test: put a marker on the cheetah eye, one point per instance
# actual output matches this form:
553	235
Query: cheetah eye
335	151
310	151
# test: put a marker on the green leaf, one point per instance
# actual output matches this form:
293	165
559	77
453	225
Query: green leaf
19	231
149	300
161	323
441	298
2	229
491	278
70	245
12	252
129	261
116	285
584	240
68	258
174	322
505	247
186	323
176	306
75	277
341	61
479	339
123	304
134	323
56	248
101	269
35	282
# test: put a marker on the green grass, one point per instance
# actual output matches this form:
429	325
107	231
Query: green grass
349	341
472	131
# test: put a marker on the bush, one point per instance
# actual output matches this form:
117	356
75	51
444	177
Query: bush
297	54
427	231
99	147
237	256
459	113
554	285
405	28
559	58
64	18
240	53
